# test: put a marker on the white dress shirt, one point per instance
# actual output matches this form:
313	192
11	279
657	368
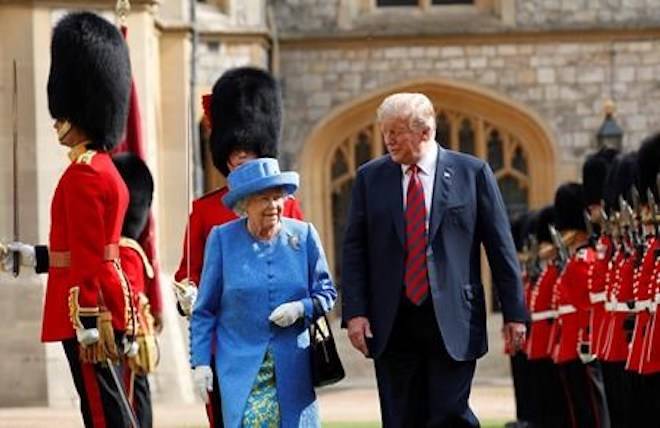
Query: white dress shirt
426	174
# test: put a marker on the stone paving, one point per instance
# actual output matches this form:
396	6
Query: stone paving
489	401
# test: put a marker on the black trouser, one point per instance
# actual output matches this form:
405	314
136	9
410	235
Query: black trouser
547	395
618	388
419	384
585	394
523	376
100	402
139	395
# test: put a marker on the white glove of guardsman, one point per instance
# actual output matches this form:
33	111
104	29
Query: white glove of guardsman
25	252
203	381
287	313
186	294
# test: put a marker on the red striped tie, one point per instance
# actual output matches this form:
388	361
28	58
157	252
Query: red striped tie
416	279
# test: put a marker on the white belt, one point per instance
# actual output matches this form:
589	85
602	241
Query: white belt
566	309
618	307
642	305
543	315
597	297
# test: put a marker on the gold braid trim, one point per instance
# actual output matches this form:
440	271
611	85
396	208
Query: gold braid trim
134	245
148	354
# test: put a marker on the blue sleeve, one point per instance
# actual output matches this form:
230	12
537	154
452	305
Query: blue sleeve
321	289
500	250
204	315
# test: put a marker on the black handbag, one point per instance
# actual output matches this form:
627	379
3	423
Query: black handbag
326	365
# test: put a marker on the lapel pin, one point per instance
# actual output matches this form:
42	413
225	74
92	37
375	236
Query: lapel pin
294	242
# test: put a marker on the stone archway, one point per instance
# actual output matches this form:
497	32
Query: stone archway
471	118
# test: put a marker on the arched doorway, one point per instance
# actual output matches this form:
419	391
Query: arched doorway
471	119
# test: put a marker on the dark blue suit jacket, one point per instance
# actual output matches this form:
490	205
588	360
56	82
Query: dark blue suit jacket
467	211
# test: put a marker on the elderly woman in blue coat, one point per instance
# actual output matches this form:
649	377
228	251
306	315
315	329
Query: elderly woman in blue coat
265	279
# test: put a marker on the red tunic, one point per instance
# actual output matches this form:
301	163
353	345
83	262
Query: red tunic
651	348
574	307
597	287
642	291
87	213
207	212
621	308
541	314
140	275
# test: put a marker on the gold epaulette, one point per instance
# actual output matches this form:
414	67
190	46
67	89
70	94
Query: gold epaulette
133	244
86	158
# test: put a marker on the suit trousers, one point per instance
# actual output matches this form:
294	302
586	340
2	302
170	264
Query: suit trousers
100	402
419	384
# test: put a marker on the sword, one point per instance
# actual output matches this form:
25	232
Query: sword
16	256
122	394
562	251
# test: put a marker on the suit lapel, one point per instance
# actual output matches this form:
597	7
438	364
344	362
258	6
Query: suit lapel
395	197
442	185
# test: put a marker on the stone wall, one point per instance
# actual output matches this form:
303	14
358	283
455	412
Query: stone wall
565	83
296	17
590	13
306	15
214	58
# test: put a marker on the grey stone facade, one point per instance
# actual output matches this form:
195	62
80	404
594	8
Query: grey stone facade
565	83
586	13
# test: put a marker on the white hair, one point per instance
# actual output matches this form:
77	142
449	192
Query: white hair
240	207
413	107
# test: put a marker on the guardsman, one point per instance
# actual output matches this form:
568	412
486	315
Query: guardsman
143	357
648	400
246	120
551	409
594	173
523	378
620	305
87	305
572	350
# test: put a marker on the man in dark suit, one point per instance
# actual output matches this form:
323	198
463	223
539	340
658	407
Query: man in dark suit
413	298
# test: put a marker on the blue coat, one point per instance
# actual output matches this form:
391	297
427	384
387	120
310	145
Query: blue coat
243	280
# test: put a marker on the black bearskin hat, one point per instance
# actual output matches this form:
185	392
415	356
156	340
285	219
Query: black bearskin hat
649	166
621	177
594	172
90	78
569	207
518	230
140	185
246	114
546	217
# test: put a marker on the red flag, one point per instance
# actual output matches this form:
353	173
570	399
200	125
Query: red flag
133	143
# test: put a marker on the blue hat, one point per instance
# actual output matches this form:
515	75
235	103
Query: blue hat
256	176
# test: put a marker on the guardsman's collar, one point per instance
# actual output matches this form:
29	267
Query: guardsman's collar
77	150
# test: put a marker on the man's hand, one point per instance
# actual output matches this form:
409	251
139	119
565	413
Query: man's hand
203	381
514	336
359	331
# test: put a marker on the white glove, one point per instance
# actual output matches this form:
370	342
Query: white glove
131	347
203	381
87	336
287	313
26	251
186	294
